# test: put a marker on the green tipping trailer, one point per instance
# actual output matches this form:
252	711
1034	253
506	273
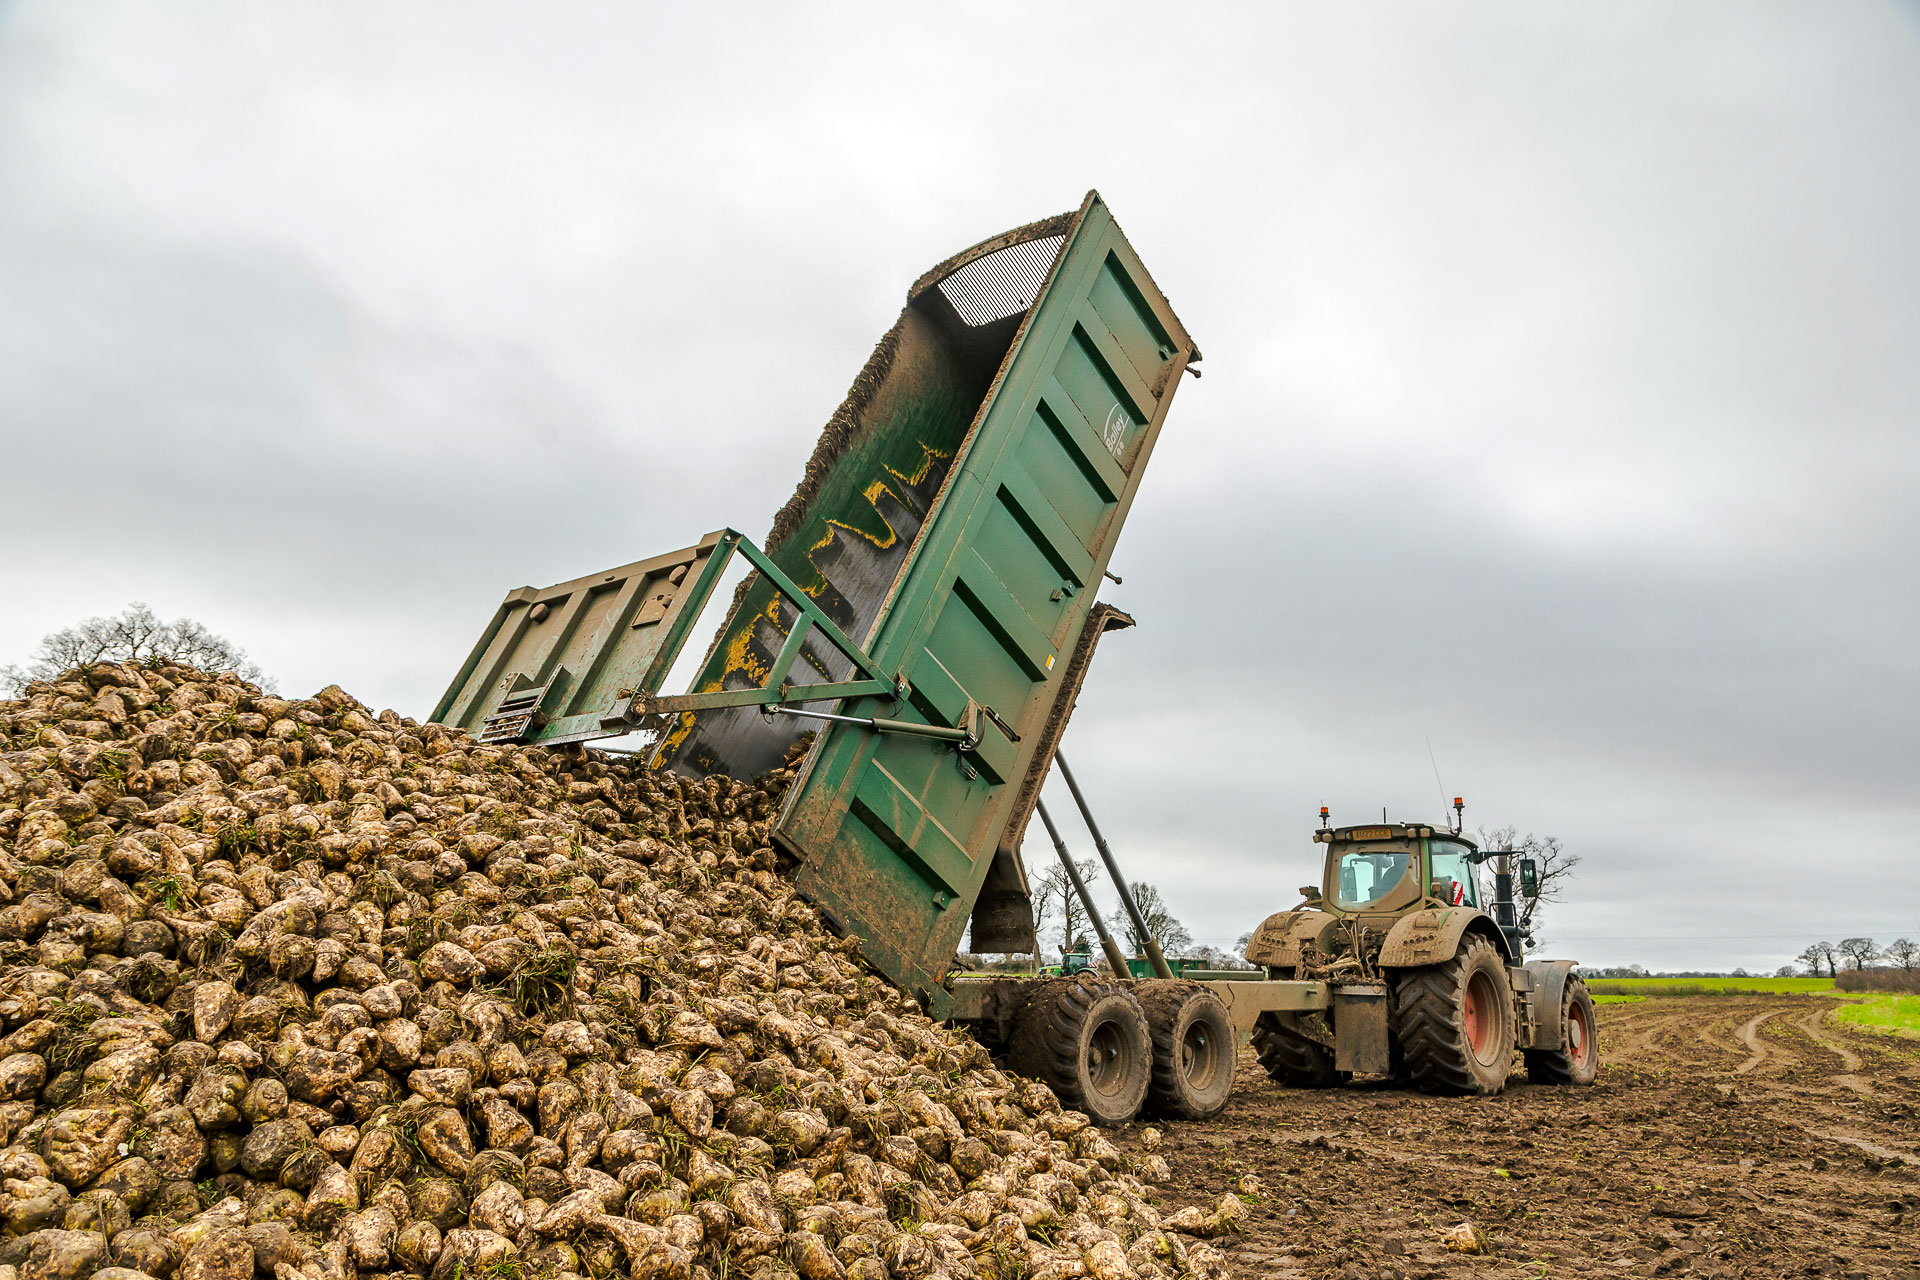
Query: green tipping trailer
925	607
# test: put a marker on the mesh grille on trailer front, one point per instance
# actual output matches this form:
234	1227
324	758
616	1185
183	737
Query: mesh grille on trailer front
1001	284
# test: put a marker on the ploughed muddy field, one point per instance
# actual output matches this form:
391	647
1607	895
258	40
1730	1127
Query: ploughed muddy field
1726	1136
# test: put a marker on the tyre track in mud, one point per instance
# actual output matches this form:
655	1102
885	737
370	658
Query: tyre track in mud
1749	1036
1813	1024
1723	1138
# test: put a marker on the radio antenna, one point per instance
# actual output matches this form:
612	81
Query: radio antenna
1438	786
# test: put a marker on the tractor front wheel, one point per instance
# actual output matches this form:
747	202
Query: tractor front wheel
1193	1049
1087	1039
1454	1022
1577	1061
1291	1059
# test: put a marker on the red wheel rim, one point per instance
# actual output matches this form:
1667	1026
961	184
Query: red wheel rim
1483	1017
1579	1036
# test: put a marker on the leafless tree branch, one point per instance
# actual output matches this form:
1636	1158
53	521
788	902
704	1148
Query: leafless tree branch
1556	865
1166	930
133	635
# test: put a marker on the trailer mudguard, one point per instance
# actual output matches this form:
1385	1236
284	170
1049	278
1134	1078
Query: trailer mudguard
1281	937
1433	937
1547	1003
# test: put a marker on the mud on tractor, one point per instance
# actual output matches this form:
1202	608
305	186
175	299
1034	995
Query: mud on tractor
1428	979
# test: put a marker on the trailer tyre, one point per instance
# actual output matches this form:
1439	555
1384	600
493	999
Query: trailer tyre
1193	1049
1291	1059
1088	1040
1455	1022
1579	1061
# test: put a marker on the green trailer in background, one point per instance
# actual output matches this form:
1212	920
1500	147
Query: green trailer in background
925	607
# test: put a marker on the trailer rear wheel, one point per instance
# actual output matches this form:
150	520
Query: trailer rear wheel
1089	1040
1193	1049
1579	1061
1455	1022
1291	1059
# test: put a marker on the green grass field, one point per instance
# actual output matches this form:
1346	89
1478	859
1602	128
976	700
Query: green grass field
1639	988
1882	1011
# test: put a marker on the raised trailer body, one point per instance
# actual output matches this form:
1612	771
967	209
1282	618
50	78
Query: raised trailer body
937	568
925	607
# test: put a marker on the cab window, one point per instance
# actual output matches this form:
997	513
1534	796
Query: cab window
1454	874
1366	878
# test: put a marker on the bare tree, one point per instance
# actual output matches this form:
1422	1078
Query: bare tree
1556	865
1057	906
1860	952
1816	954
1904	952
1166	930
134	635
1220	957
1831	954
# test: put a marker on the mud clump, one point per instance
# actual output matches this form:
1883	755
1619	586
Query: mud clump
294	990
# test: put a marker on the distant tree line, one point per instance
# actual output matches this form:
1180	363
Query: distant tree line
1857	954
1898	960
1641	971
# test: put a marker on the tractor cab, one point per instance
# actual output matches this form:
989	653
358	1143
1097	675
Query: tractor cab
1383	871
1394	868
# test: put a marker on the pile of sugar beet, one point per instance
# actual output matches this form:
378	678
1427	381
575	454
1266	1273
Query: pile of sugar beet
293	990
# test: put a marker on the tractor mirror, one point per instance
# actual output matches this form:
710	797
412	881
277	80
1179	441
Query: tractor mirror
1529	878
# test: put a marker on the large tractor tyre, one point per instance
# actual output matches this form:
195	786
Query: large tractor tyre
1088	1040
1193	1049
1579	1061
1293	1060
1455	1022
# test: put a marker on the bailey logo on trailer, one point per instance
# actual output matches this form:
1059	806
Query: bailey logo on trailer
1114	434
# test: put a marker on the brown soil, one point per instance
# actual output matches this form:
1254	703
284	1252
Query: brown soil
1749	1137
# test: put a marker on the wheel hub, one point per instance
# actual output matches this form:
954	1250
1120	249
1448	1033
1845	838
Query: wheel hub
1106	1068
1579	1037
1482	1017
1197	1058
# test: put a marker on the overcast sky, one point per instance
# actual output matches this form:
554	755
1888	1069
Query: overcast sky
1560	403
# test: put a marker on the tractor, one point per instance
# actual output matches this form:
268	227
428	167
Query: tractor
1428	978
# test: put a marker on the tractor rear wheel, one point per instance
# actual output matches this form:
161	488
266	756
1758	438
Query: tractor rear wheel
1291	1059
1579	1060
1454	1022
1193	1049
1087	1039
